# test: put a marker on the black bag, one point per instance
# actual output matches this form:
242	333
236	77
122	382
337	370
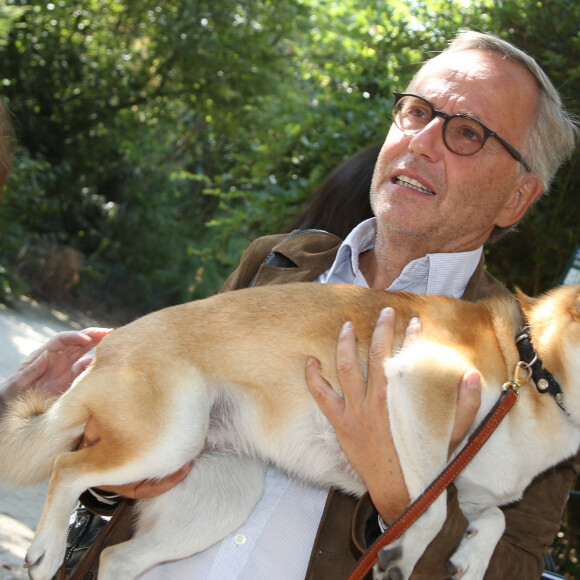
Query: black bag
90	532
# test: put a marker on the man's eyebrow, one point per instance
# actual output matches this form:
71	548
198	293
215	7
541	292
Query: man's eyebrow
469	113
461	111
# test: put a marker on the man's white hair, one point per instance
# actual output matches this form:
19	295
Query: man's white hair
552	137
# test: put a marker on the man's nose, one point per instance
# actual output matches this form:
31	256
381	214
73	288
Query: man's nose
428	142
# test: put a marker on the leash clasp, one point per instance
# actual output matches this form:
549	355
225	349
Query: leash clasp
522	374
511	385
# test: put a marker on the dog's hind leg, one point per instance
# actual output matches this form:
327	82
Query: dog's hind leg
120	456
486	526
48	547
216	498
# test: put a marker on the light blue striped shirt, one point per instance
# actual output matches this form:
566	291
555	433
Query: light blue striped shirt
446	274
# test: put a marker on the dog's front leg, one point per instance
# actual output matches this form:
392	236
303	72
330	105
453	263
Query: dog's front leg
214	500
422	395
486	526
397	560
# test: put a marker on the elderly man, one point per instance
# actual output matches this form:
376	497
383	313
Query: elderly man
477	136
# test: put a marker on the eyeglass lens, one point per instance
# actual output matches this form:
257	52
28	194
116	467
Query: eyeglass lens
462	134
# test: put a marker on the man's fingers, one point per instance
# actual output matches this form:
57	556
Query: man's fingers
468	402
73	340
412	332
381	348
149	488
81	365
154	487
327	399
69	338
96	333
348	367
30	374
347	361
383	336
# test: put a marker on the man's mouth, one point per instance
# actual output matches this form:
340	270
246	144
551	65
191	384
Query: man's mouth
413	184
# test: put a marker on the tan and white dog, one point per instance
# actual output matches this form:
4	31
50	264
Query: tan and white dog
221	381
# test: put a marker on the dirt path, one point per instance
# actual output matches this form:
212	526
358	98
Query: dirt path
22	330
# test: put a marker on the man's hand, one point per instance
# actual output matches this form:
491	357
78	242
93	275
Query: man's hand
53	367
359	417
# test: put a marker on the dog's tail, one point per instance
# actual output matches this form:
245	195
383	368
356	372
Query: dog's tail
30	441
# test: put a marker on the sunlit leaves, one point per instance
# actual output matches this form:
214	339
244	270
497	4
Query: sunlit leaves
170	134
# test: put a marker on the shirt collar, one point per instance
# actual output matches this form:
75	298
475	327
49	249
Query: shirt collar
444	273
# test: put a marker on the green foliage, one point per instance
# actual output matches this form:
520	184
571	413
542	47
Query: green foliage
124	101
162	139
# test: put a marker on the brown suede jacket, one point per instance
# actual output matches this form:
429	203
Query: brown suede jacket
531	523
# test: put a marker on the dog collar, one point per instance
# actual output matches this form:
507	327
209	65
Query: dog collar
543	378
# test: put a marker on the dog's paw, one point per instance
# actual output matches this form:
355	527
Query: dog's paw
43	559
455	573
470	560
388	556
467	565
392	574
466	570
387	566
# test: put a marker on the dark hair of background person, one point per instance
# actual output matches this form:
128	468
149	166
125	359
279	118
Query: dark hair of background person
6	135
342	201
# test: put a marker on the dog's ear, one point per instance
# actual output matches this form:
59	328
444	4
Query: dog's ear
526	302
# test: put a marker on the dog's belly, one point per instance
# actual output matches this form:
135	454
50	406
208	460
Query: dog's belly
303	445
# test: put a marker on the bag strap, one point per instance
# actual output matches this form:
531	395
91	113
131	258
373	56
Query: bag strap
505	402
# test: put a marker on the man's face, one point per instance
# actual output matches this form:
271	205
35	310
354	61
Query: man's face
444	201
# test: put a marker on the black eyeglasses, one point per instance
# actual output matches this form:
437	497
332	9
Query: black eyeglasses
462	134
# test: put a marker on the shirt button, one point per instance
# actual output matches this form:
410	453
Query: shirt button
240	539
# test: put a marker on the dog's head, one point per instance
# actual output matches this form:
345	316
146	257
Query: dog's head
554	320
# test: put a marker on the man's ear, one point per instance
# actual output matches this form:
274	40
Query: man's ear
529	189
